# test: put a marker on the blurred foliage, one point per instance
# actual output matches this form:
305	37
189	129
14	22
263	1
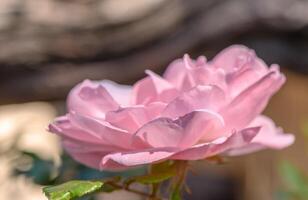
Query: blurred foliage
70	169
304	129
41	171
45	172
296	183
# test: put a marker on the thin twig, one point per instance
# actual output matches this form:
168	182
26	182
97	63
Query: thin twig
179	180
155	191
115	185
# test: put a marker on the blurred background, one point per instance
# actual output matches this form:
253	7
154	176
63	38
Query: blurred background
47	46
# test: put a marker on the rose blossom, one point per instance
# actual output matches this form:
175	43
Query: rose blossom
196	110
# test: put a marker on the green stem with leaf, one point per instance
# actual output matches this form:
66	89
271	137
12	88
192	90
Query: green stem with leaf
158	173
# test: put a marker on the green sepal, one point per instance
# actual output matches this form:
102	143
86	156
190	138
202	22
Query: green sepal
158	173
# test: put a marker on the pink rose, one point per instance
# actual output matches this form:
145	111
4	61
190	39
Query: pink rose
196	110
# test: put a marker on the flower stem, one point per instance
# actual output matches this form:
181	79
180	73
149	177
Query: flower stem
118	186
179	180
155	192
154	187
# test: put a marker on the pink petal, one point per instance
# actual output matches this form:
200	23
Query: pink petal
64	128
92	160
251	102
185	73
122	160
209	75
86	147
132	118
233	58
120	93
80	144
243	68
183	132
161	132
176	74
153	88
104	130
155	109
269	137
200	125
200	97
111	165
205	150
242	79
129	119
91	99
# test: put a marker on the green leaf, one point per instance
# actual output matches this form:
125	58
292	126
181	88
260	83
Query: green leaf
41	172
72	189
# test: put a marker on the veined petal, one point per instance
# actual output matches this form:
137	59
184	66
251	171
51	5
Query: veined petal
102	129
77	146
91	99
205	150
129	119
120	93
135	158
269	137
239	81
234	58
242	67
200	125
251	102
132	118
153	88
183	132
176	73
186	73
161	132
64	128
92	159
208	97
